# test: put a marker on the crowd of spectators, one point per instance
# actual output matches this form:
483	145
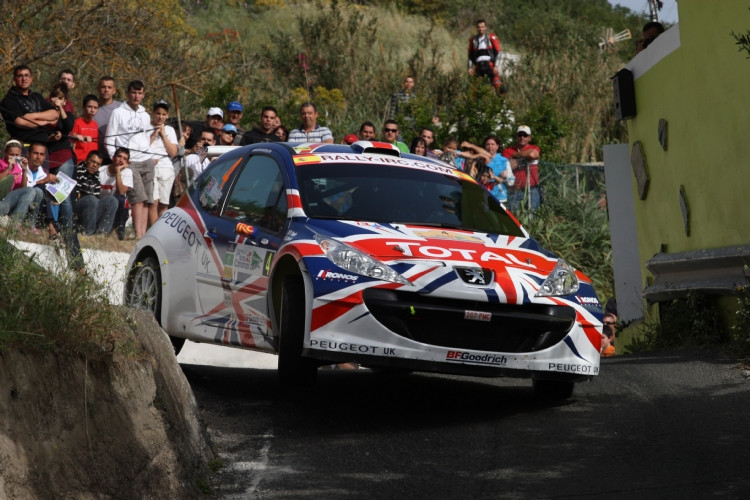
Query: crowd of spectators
117	159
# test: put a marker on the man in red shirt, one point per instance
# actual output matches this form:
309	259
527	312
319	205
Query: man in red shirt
524	160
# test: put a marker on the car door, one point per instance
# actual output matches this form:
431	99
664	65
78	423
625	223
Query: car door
246	234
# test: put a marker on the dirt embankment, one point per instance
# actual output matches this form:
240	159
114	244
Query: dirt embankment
110	428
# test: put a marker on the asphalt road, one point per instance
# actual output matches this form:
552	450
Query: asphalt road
662	425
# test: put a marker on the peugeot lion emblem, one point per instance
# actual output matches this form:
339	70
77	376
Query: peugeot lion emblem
474	276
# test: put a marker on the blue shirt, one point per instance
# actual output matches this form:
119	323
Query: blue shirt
499	164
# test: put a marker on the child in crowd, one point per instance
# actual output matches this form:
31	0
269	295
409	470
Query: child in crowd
10	166
485	178
474	167
164	146
85	129
17	196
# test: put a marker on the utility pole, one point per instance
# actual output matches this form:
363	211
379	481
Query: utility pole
654	6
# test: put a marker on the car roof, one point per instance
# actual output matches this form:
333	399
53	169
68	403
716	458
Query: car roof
369	152
362	152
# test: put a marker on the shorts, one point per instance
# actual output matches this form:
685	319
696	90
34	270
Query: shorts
163	180
143	182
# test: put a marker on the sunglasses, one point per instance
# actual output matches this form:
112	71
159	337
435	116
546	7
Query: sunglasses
394	130
522	134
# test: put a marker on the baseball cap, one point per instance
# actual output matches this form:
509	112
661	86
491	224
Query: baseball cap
525	129
351	138
229	128
215	112
235	106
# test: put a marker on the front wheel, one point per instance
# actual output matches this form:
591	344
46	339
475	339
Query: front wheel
294	369
146	293
553	390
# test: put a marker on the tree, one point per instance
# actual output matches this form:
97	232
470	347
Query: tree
128	39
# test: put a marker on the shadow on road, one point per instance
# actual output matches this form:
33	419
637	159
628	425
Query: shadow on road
424	399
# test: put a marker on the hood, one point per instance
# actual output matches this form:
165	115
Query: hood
410	244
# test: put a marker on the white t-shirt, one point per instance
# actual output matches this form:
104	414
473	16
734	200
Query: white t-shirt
32	178
194	161
109	182
130	128
160	151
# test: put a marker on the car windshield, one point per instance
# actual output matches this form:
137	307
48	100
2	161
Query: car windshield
380	193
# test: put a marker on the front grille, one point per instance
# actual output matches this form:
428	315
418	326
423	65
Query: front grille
442	322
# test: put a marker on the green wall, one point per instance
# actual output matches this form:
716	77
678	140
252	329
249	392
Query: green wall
702	89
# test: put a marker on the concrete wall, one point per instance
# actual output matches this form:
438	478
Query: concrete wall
694	77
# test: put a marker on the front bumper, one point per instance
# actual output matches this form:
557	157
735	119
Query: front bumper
389	328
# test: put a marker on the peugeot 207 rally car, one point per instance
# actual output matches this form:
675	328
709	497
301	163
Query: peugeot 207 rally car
327	253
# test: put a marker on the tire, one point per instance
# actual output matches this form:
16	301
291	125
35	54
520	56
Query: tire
294	369
553	390
146	293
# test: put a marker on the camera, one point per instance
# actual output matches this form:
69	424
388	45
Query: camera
206	144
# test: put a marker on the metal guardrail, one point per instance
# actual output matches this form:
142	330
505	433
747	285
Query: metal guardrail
713	271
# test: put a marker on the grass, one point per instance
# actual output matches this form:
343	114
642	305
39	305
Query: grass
59	311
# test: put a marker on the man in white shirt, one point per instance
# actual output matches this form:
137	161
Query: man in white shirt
130	127
197	161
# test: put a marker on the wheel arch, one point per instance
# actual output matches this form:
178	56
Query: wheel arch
286	266
143	254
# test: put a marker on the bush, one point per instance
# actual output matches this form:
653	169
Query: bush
694	321
572	221
740	328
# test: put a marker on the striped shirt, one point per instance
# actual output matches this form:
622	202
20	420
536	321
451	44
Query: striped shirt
318	134
87	183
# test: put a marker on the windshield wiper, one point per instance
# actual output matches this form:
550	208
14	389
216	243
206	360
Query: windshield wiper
443	225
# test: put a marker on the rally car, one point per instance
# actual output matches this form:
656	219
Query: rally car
328	253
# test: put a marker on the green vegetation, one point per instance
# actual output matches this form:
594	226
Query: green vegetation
61	312
698	320
740	326
573	221
349	57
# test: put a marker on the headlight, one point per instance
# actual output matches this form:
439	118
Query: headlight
561	281
355	261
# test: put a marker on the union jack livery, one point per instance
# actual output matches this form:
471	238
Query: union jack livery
328	253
